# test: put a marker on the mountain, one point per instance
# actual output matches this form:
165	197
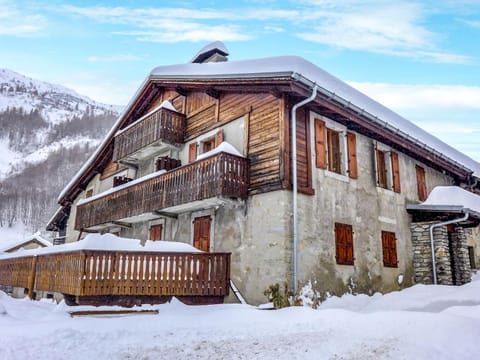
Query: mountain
47	131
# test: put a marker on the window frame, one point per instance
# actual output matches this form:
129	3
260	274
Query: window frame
387	168
340	159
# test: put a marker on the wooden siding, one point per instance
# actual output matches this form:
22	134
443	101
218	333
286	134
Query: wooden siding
111	169
94	273
218	175
264	131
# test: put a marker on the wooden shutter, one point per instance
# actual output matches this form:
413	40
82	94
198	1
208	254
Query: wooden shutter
192	152
389	247
320	146
156	232
421	184
352	155
381	169
395	172
218	137
344	244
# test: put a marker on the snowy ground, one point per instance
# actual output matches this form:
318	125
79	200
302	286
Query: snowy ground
422	322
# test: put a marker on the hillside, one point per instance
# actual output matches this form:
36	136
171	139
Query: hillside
46	132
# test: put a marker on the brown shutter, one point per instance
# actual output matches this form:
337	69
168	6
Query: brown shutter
218	137
192	152
352	155
320	146
421	184
344	244
389	247
395	172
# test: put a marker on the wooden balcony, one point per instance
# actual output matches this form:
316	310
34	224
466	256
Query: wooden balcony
164	126
222	175
101	277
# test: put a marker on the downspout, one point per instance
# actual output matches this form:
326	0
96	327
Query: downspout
432	245
293	120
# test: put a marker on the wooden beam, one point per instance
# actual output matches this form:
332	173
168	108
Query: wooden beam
181	91
166	214
122	224
213	93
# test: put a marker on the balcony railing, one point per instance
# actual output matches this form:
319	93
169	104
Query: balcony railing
163	125
90	273
220	175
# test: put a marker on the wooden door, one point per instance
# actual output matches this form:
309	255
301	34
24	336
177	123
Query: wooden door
156	232
201	233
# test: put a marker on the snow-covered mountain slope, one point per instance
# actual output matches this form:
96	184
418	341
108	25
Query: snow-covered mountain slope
46	132
55	103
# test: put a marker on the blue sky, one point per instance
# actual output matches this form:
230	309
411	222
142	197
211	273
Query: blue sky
420	58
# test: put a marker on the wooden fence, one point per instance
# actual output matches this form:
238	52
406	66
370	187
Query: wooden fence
163	125
222	174
95	273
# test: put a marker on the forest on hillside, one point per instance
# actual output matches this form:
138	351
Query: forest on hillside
29	193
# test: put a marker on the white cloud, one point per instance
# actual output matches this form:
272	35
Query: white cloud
472	23
113	58
404	96
450	112
21	23
167	25
392	28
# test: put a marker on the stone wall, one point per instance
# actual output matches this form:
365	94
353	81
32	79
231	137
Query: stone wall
452	264
461	259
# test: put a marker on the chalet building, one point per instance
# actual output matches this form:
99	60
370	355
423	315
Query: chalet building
203	154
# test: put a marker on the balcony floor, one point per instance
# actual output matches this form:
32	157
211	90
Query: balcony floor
174	210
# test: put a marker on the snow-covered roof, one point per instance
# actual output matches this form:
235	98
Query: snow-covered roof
22	242
449	198
294	66
109	242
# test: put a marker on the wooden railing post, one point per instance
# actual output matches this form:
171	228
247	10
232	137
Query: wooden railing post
31	279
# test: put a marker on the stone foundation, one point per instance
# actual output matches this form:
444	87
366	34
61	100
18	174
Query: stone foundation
451	254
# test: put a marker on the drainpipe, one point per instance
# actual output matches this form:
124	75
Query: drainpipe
293	121
454	221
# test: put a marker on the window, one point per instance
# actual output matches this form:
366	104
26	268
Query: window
389	246
156	232
335	149
421	183
344	244
208	145
89	193
471	255
387	169
204	145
